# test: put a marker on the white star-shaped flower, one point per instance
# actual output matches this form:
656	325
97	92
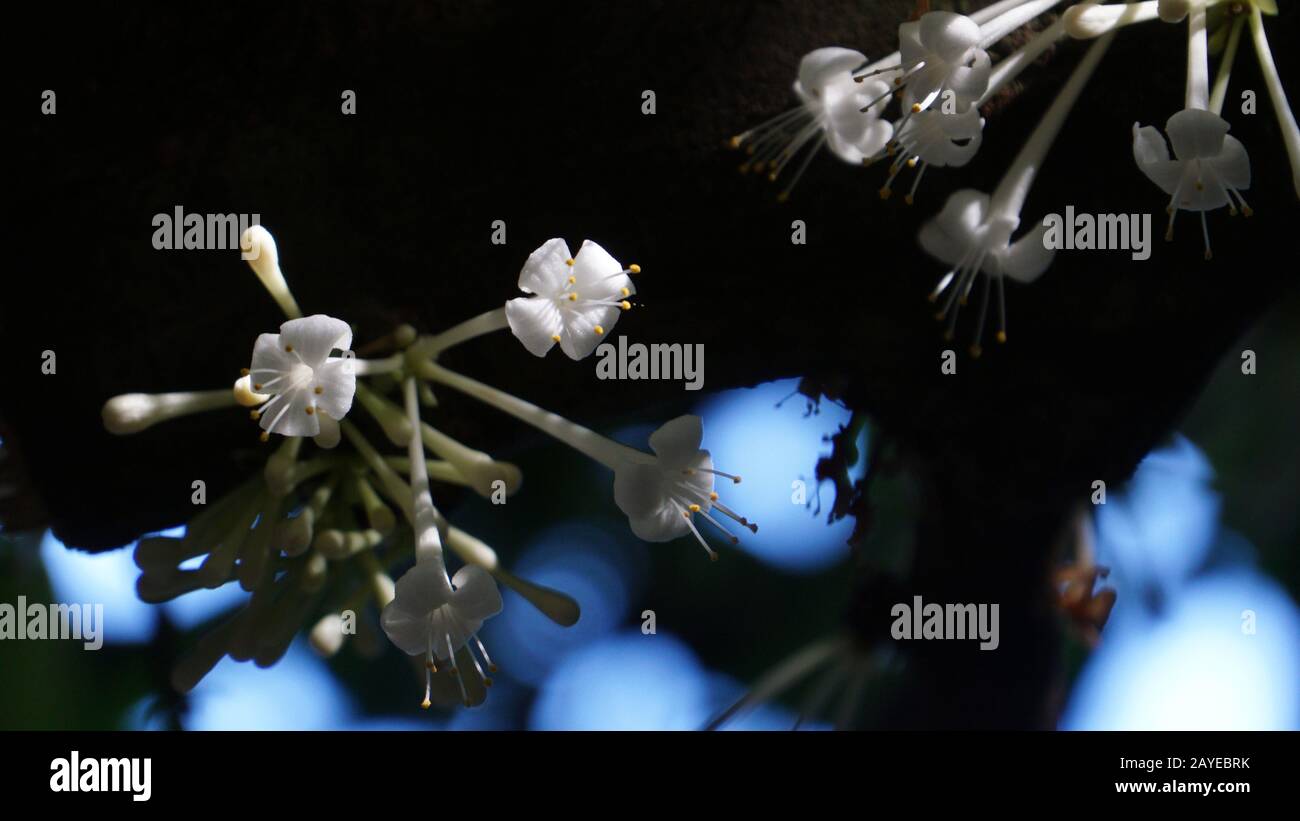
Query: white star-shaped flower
576	298
660	494
429	616
975	238
295	369
1209	169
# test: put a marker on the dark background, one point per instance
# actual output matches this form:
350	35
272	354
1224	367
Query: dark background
531	113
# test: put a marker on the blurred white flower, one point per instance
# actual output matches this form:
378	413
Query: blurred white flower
662	493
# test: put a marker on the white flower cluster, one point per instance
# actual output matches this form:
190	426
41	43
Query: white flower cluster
942	74
317	532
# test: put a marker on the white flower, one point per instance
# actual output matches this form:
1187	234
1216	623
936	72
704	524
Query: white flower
932	137
1209	169
975	238
431	617
942	52
838	110
257	246
661	493
576	299
294	368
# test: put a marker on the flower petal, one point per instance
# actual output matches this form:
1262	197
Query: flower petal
313	337
948	35
535	321
824	65
476	596
270	359
1196	133
407	629
337	378
1027	258
547	269
423	588
595	273
952	234
662	524
677	441
286	414
579	338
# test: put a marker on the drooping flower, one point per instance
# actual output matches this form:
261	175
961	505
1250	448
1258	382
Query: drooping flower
933	137
662	493
575	299
973	237
295	369
430	617
942	52
835	111
1208	171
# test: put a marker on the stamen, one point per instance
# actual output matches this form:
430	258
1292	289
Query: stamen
1205	230
713	555
492	668
455	669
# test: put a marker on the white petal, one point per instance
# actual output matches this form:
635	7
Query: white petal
534	321
949	36
817	68
1194	133
338	378
1233	164
287	414
579	338
423	588
476	596
313	337
909	43
677	441
1027	258
951	234
547	269
407	629
328	438
595	273
662	524
270	359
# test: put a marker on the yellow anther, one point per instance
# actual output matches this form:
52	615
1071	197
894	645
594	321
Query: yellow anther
911	163
599	330
713	497
254	415
625	305
555	337
1002	336
907	198
916	108
695	508
572	279
310	410
424	705
568	261
265	436
685	515
257	386
288	349
573	297
319	390
634	268
886	192
627	292
1247	210
243	371
735	141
